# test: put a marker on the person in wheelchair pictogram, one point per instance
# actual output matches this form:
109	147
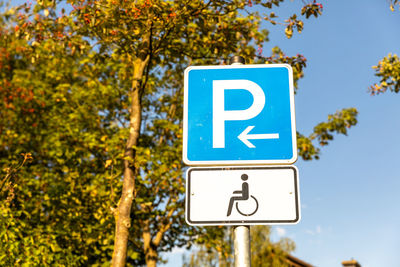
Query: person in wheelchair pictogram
244	196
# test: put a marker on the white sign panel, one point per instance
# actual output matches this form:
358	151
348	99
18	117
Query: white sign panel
242	195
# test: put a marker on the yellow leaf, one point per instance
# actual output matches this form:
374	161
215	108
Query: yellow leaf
288	32
108	162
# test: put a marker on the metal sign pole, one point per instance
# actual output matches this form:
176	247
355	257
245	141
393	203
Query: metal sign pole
241	241
241	233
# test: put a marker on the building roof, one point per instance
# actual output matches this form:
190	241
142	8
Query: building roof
351	263
296	262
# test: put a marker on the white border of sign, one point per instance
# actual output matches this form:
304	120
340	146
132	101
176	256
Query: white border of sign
239	162
207	222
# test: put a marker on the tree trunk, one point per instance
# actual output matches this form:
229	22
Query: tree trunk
151	258
150	243
122	216
149	247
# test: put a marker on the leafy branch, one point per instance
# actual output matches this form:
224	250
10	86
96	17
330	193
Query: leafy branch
11	173
293	23
388	69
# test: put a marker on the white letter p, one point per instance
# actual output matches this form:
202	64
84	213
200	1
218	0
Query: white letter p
220	115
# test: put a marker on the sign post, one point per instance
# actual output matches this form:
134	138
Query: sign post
241	233
238	119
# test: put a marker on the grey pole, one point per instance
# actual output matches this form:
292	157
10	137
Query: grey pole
237	60
241	233
241	237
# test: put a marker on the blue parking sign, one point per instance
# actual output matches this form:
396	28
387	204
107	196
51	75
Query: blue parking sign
239	114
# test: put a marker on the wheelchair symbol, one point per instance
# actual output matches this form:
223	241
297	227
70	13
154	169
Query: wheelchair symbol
244	196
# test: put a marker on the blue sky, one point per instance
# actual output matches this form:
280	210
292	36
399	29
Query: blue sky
350	197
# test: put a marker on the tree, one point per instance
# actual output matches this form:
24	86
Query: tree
52	107
266	253
388	69
215	249
393	3
93	90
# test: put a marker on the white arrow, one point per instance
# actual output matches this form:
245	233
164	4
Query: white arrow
244	136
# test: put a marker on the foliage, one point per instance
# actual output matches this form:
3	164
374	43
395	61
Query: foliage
393	3
265	252
388	69
93	91
337	123
293	22
214	249
53	107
